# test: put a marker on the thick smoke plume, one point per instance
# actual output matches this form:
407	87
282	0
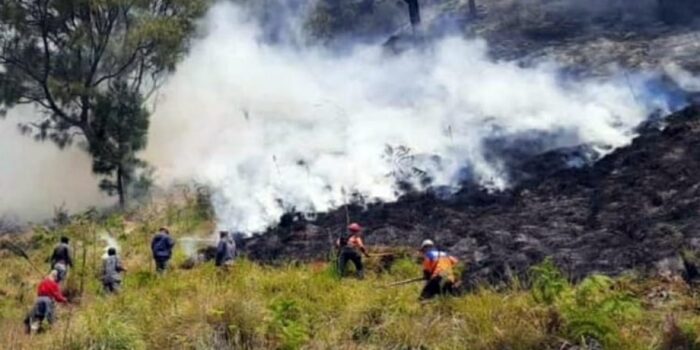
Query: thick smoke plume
109	242
36	178
274	128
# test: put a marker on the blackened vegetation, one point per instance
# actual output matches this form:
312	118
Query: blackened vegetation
635	209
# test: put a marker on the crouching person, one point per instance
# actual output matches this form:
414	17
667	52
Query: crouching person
48	293
112	269
438	271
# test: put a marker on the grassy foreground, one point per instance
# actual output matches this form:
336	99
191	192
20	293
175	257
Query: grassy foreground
306	306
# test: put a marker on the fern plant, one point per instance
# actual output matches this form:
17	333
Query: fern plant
547	282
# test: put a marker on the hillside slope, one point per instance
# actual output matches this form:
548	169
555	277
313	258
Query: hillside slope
306	306
637	208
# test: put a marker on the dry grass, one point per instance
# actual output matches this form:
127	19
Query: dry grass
253	306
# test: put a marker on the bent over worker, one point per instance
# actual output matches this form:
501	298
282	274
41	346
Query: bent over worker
350	247
438	271
48	293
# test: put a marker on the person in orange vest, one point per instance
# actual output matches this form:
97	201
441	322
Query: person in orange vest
438	271
350	247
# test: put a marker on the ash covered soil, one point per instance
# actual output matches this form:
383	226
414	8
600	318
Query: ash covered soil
635	209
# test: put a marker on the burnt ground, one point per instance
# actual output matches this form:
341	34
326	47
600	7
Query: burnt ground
635	209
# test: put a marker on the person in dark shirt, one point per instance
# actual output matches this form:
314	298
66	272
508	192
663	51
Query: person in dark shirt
162	249
61	259
226	250
112	269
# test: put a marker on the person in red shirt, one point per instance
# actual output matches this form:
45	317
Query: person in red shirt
350	246
48	293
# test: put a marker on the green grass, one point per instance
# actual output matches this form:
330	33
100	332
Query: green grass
253	306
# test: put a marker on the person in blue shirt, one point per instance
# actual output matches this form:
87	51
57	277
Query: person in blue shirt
226	250
162	248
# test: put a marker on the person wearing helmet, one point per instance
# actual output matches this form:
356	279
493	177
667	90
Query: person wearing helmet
350	246
438	271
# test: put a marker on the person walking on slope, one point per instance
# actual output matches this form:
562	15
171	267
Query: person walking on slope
226	250
438	271
350	246
61	259
112	269
48	293
162	248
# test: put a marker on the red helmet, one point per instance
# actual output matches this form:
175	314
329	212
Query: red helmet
354	227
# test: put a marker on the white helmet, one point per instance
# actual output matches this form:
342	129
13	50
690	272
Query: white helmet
427	243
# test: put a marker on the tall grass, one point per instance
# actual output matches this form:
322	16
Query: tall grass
252	306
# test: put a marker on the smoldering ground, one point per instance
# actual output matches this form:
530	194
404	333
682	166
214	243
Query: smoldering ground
273	127
272	124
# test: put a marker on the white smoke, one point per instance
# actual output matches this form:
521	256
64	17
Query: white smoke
264	124
36	178
190	245
682	77
109	242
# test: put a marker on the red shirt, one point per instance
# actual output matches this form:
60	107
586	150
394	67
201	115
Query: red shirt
49	288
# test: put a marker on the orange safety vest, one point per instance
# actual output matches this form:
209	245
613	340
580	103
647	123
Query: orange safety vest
437	263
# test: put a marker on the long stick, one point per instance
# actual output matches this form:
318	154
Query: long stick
379	255
400	283
347	210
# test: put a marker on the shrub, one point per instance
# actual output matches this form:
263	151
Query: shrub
288	324
547	282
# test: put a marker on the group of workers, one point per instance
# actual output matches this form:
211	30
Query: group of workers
438	268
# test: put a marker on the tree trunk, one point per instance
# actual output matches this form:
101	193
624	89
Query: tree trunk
121	188
413	12
472	8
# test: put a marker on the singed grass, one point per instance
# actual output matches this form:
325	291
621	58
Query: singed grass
252	306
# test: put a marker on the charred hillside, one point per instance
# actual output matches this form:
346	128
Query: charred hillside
635	209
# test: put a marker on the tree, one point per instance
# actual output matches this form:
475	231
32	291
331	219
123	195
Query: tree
413	12
87	65
121	124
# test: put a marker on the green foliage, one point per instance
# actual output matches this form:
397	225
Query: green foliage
330	18
685	336
253	306
121	126
111	331
288	323
406	268
547	282
86	64
593	309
